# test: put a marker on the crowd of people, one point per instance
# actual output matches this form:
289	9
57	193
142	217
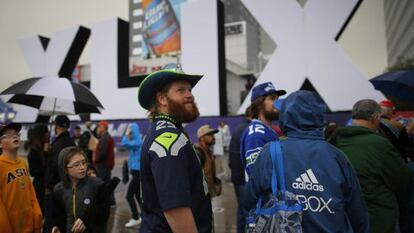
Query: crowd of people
72	188
356	178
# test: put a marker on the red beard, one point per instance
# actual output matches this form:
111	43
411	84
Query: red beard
183	113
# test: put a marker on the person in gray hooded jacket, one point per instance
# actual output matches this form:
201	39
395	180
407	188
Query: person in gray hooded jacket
84	200
318	174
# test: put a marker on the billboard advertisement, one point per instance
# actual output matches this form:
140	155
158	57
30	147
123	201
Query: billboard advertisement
155	38
161	29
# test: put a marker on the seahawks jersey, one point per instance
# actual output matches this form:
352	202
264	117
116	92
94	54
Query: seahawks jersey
254	137
171	177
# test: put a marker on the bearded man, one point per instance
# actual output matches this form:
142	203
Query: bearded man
259	131
175	194
206	141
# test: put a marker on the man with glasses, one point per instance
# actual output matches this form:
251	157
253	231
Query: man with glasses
175	194
19	209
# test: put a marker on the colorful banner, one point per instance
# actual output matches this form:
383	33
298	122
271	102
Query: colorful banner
161	28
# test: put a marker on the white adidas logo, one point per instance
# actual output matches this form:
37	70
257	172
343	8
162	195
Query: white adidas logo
307	181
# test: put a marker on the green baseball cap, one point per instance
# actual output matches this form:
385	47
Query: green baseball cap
157	80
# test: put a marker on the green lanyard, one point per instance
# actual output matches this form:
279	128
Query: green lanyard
166	117
74	202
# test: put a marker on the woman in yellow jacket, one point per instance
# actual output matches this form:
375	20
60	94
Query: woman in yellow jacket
19	209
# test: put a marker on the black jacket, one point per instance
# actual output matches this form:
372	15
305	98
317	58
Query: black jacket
37	165
92	202
235	163
62	141
88	207
84	144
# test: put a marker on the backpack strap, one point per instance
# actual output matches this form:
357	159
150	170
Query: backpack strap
280	166
277	161
282	203
275	155
200	154
274	165
274	177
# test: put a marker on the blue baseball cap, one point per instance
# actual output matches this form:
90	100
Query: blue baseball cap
265	89
158	79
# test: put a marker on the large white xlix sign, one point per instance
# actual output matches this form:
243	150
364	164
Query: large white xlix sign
306	48
56	56
109	59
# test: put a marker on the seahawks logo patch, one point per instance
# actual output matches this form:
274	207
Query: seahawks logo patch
168	142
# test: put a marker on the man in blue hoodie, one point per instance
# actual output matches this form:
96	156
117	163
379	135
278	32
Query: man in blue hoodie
316	172
132	142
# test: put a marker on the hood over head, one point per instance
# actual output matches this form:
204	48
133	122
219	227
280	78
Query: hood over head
302	114
134	127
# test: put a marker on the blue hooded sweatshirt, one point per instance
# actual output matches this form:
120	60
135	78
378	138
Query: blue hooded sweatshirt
133	146
315	171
